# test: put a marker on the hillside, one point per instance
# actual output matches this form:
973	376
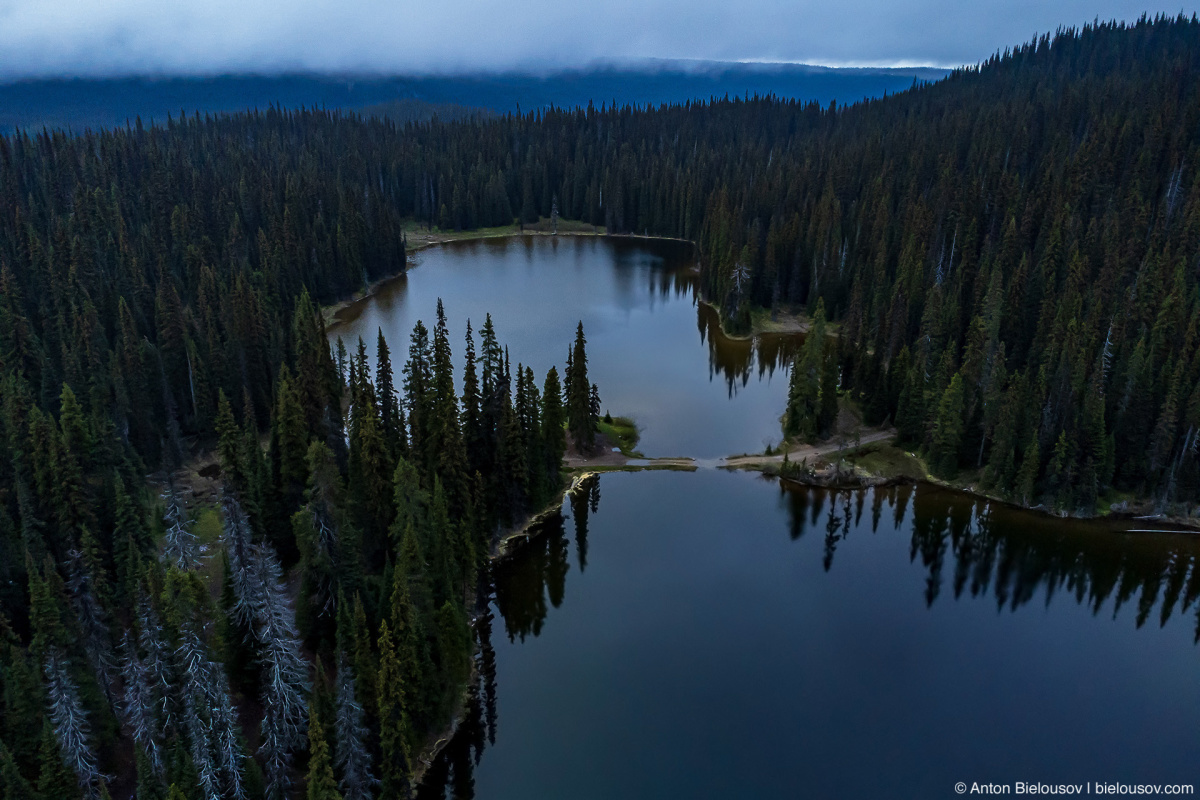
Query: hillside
80	103
1011	257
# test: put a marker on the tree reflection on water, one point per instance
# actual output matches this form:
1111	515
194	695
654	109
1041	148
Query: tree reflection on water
965	546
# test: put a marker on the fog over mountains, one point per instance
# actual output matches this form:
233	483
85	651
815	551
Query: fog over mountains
108	102
75	64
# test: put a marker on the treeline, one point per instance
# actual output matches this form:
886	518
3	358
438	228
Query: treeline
1028	226
323	637
1011	257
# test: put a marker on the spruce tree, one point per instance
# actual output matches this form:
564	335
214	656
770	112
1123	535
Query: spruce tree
1028	476
579	397
529	414
419	396
362	655
948	429
390	416
321	784
512	477
806	410
353	756
23	705
472	421
830	378
131	540
149	783
289	434
446	441
13	785
394	766
54	776
229	446
553	433
370	483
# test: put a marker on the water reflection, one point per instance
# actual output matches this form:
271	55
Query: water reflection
582	502
962	547
979	548
638	302
524	584
739	360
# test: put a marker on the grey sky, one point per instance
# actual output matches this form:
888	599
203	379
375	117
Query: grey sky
84	37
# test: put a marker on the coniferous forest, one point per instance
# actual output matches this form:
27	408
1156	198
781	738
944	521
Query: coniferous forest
1004	264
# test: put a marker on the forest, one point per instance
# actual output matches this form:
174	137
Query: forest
1004	264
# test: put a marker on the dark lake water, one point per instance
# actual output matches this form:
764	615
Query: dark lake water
656	355
713	634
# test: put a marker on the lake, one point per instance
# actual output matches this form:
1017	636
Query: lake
657	355
716	634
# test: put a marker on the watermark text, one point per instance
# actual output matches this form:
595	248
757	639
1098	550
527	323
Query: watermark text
1102	788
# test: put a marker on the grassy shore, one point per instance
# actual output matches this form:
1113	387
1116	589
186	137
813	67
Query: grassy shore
766	321
623	433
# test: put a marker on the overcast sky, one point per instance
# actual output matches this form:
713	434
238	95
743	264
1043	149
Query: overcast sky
88	37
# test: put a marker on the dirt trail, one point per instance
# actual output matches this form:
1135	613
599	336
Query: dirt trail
798	453
615	458
808	451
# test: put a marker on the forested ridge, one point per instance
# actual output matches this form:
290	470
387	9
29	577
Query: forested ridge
1011	258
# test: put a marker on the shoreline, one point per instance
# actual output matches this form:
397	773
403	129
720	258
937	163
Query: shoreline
331	313
849	476
510	543
583	471
788	323
517	537
418	241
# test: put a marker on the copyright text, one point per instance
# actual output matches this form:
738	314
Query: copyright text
1103	788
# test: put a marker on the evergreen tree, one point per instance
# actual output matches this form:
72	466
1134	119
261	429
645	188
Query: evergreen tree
13	784
390	416
393	722
446	441
131	541
553	434
419	395
948	429
807	399
830	380
579	400
229	447
366	665
289	439
54	776
1028	476
369	479
472	420
149	784
321	784
324	563
353	757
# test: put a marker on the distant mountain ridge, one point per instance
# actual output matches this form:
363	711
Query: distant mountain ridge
79	103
